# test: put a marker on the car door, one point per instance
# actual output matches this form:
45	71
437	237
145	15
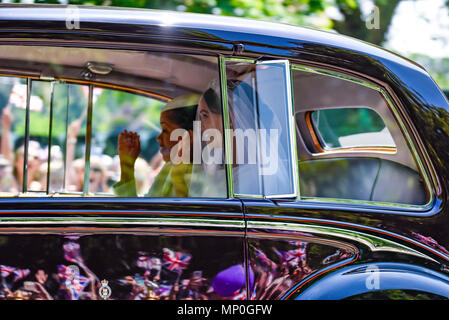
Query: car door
64	234
355	168
66	250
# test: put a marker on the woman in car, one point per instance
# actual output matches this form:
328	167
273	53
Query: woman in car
174	179
241	117
243	121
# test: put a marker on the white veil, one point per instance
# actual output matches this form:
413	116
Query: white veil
245	120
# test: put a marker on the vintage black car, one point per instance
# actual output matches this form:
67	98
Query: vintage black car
160	155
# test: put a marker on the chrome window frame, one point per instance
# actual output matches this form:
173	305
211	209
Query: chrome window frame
291	131
430	187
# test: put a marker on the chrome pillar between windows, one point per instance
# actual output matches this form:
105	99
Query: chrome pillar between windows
88	141
66	135
50	132
27	138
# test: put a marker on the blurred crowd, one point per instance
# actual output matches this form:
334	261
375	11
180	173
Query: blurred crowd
104	169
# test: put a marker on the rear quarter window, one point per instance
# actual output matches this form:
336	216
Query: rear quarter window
350	145
350	128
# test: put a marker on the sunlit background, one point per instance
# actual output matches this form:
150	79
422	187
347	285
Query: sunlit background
417	29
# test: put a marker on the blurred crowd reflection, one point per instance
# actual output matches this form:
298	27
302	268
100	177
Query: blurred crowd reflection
159	276
165	274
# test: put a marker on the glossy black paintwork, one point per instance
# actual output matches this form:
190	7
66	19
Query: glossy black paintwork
407	83
127	260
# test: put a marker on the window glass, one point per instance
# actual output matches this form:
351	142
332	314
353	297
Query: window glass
351	127
332	114
115	111
69	134
130	129
43	95
13	93
39	132
259	111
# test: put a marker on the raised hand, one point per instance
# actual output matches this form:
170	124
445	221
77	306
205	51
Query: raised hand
74	129
128	151
7	118
128	146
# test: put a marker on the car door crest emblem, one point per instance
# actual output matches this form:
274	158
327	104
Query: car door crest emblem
105	290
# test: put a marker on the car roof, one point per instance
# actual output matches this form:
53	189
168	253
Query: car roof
256	30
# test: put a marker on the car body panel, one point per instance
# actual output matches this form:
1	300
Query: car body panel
381	276
159	255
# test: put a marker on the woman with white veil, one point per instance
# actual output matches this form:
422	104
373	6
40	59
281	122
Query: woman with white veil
248	144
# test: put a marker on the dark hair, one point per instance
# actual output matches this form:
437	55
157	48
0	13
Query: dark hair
212	101
183	117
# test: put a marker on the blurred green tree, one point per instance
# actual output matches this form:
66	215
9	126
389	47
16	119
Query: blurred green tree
351	18
300	12
354	21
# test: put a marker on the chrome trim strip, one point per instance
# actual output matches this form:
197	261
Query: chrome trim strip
66	135
407	137
294	143
354	150
291	130
50	132
88	141
139	232
254	196
102	221
27	138
283	196
239	59
374	243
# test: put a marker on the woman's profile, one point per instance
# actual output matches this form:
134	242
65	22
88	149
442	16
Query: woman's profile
174	179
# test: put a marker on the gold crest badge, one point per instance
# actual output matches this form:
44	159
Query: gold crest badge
105	290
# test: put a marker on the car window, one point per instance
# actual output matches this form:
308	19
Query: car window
260	115
350	145
110	123
350	128
13	93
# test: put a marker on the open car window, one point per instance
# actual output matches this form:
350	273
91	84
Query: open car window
350	144
350	128
109	123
